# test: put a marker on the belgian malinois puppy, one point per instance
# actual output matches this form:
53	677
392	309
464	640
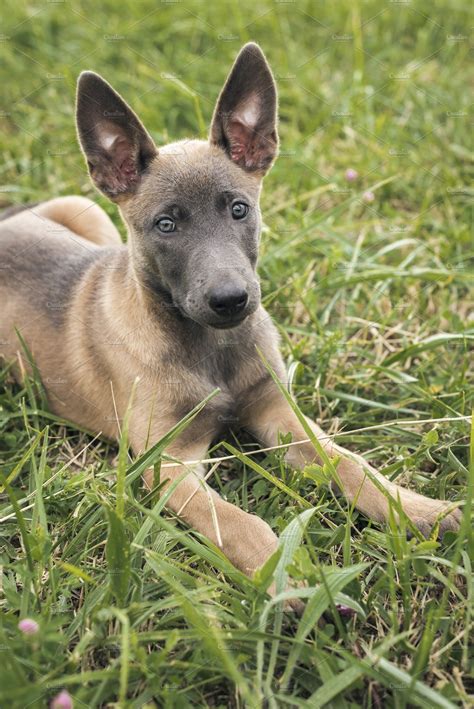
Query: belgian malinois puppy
178	309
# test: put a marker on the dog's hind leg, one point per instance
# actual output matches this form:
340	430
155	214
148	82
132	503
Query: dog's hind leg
82	216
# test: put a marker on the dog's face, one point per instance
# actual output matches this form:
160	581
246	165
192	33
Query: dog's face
193	206
196	227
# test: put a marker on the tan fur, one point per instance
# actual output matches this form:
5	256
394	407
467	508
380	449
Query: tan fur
82	216
98	332
92	387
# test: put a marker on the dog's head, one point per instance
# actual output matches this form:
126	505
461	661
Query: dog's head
192	207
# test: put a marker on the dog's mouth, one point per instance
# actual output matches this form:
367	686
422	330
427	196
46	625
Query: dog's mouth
214	323
219	323
229	324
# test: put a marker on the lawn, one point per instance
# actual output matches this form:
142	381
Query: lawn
369	275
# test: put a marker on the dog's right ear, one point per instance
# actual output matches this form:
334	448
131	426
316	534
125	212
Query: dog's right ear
117	147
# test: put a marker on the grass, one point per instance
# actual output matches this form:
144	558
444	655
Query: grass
374	300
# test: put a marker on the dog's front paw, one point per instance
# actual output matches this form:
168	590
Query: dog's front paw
426	514
248	541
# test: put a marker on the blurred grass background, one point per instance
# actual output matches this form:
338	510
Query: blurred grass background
371	282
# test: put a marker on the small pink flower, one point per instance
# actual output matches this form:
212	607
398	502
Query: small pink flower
28	626
368	196
63	700
351	175
345	611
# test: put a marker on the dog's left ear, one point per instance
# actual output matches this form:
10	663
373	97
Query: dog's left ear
245	118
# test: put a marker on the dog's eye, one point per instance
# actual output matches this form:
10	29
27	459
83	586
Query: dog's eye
239	210
165	225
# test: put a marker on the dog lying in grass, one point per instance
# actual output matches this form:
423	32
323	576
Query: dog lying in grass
175	314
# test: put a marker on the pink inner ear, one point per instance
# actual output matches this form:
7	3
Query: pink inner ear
239	137
124	156
248	148
128	169
121	173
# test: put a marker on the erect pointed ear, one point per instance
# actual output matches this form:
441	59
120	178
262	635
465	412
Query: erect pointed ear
245	118
117	147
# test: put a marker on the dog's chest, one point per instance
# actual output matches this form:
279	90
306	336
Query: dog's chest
228	362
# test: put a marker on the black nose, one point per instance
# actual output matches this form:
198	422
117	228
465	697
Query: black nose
228	300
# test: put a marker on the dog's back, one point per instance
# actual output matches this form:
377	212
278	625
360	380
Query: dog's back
41	263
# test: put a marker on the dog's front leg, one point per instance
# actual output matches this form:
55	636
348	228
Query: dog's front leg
269	414
245	539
